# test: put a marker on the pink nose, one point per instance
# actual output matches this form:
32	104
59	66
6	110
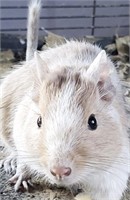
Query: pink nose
60	171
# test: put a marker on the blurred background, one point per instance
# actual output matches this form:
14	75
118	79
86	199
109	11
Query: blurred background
74	18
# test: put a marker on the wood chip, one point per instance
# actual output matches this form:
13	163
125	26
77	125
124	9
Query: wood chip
82	196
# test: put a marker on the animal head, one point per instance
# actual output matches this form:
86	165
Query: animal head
77	129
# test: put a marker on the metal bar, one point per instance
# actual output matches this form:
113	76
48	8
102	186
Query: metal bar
50	17
122	26
64	17
65	6
50	7
69	28
93	17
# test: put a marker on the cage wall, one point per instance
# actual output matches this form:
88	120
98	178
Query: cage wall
69	18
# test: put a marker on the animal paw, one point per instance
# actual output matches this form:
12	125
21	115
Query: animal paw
21	180
9	163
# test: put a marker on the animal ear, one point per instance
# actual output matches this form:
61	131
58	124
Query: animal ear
99	72
41	67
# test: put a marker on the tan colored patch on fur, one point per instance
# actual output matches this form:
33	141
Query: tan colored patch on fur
43	154
56	82
99	149
85	95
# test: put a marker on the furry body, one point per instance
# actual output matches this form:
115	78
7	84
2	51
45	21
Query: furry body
65	85
21	133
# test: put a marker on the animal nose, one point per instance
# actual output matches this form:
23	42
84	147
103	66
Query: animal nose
60	172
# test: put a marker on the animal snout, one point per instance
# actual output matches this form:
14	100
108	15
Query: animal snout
60	172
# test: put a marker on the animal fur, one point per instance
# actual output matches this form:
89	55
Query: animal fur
65	85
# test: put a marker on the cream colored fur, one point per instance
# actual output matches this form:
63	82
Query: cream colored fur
65	85
99	159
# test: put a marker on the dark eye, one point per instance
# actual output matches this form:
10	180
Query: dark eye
39	121
92	122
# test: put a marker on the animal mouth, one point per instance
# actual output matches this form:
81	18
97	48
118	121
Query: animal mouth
59	181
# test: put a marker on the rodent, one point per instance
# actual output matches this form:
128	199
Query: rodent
64	117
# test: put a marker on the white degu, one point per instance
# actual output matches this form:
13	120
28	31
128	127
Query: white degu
63	118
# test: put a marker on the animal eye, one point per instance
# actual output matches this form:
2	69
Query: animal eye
39	121
92	122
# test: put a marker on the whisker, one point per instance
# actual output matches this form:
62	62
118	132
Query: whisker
83	178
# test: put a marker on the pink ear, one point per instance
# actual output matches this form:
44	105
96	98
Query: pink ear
100	73
106	89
